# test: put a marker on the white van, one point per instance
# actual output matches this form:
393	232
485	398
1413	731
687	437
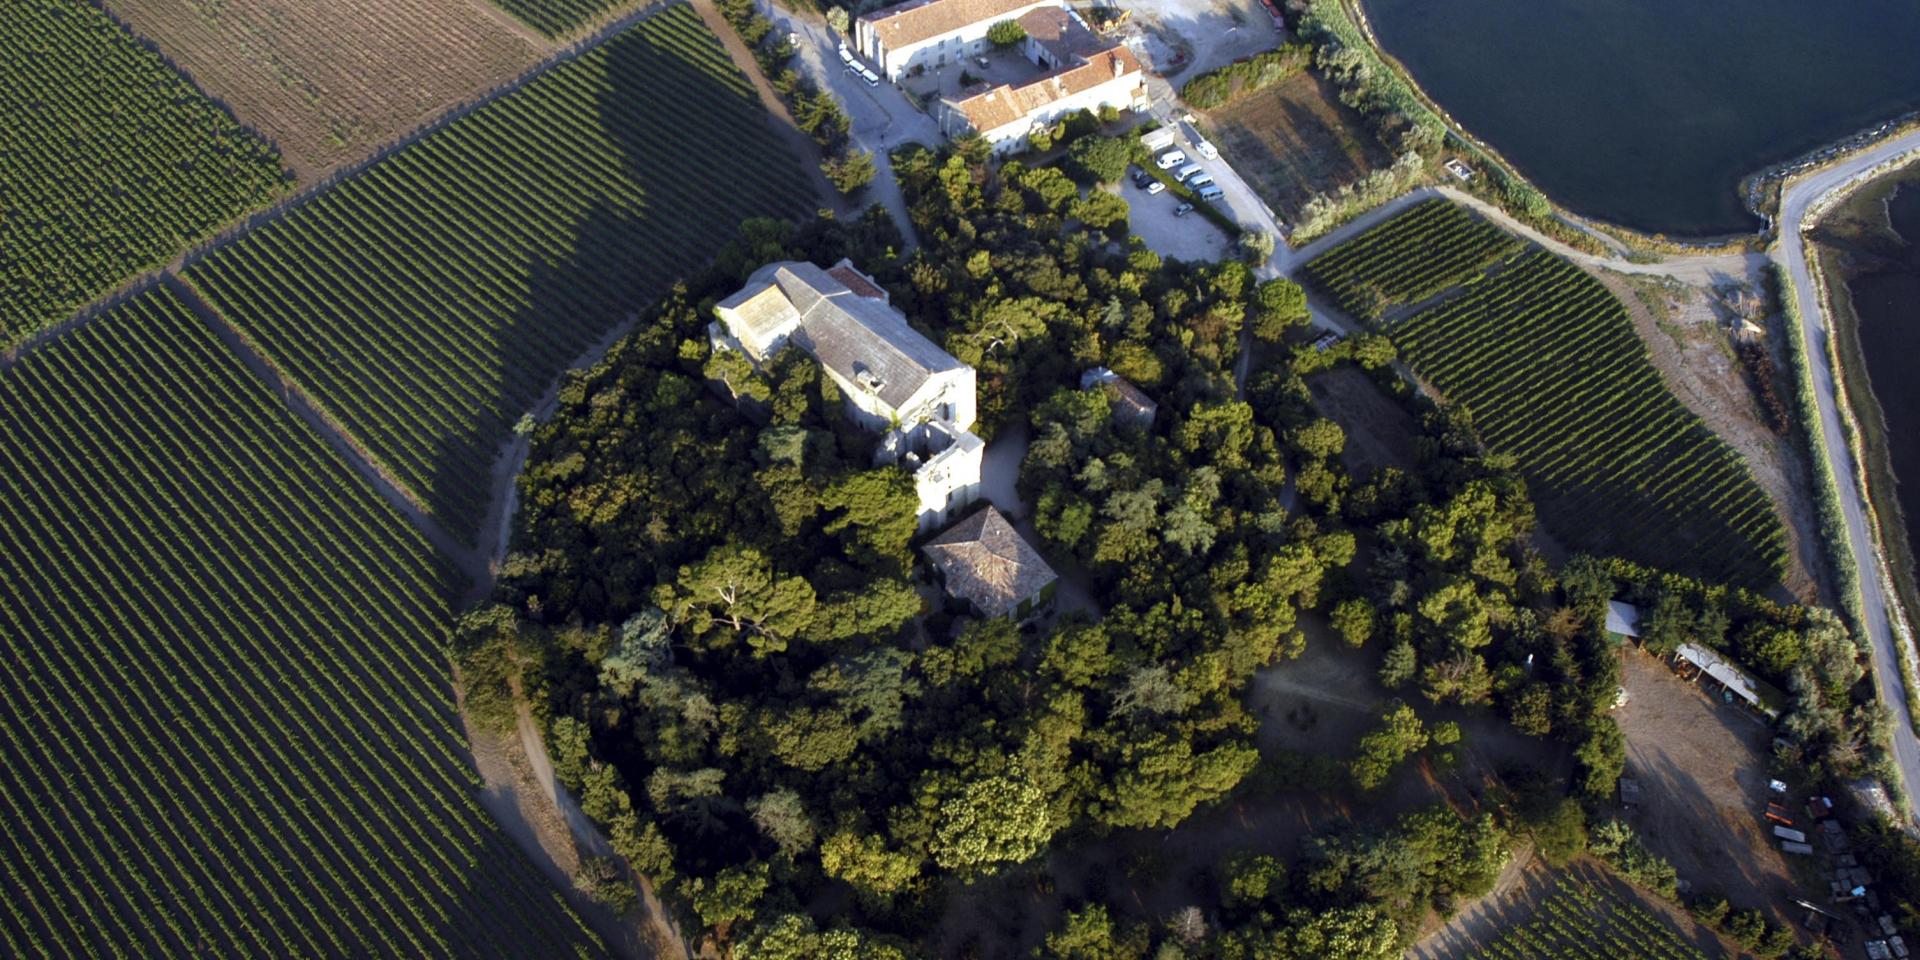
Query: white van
1209	193
872	79
1171	159
1200	182
1190	170
846	56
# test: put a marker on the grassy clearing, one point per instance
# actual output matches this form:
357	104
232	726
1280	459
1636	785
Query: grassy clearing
228	728
428	302
111	163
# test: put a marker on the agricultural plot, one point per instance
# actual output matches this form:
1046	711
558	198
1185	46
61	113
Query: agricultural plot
1422	252
1548	362
110	163
428	302
328	81
555	17
1580	921
228	727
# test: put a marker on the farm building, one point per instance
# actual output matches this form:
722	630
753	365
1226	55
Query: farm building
933	33
1755	692
1081	72
896	382
1623	620
985	563
1131	406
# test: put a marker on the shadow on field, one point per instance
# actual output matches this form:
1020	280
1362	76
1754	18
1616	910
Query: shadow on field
660	188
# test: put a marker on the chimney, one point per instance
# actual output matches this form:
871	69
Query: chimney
1119	69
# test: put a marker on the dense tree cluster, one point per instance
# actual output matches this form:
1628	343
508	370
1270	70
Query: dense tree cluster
714	603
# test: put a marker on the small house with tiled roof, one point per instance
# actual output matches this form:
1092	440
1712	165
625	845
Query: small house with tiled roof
985	563
1131	405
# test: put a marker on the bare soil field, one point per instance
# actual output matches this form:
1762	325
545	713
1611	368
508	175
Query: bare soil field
1293	140
1685	329
1380	433
1702	770
329	81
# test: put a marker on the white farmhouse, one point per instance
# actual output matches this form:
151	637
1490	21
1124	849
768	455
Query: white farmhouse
933	33
896	381
1081	72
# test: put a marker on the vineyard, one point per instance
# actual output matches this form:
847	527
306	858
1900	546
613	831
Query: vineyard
111	163
555	17
1420	253
228	728
1579	921
1548	362
327	81
428	302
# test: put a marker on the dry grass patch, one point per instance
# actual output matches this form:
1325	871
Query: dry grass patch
1295	139
328	81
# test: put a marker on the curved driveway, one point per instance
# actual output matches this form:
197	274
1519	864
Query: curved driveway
1791	253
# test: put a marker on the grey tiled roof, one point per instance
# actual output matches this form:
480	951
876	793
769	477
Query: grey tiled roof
987	562
858	337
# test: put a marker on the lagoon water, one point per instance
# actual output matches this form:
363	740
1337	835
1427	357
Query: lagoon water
1647	113
1888	305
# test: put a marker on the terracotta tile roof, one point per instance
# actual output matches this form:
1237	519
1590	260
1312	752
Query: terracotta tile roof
905	24
987	563
1061	33
999	106
858	282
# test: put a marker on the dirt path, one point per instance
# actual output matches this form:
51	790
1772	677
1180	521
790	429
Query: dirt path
801	143
649	926
331	431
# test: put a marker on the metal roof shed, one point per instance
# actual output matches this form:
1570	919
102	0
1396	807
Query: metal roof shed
1757	693
1623	619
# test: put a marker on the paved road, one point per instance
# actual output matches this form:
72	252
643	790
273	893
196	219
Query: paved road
881	117
1791	253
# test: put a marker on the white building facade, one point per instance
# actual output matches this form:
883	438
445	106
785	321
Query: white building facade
1082	72
933	33
896	382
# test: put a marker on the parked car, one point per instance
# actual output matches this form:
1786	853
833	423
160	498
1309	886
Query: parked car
1171	159
1156	187
846	56
1183	209
1200	144
1140	177
1190	170
872	79
1210	192
1200	180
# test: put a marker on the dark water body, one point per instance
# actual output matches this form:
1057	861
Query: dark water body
1648	113
1888	305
